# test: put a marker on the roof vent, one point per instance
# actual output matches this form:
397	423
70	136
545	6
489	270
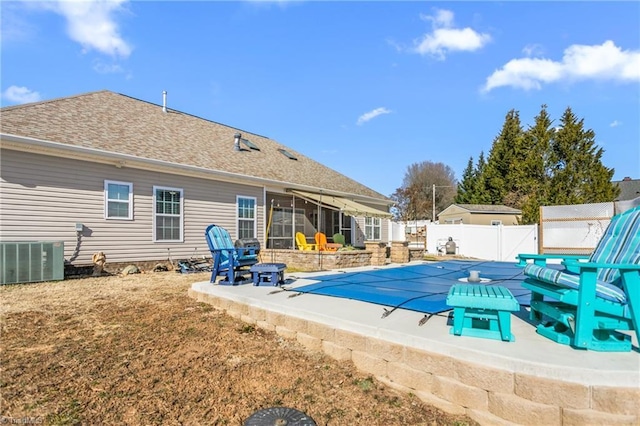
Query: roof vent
250	144
287	154
236	139
164	101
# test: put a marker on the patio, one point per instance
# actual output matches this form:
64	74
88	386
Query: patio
530	381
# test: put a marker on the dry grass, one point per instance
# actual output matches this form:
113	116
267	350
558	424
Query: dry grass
136	350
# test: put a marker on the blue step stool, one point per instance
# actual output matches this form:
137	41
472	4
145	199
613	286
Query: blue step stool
482	311
270	273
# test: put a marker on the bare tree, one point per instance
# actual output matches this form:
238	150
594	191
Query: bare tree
415	198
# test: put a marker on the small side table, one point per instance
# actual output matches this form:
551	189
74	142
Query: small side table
268	273
482	311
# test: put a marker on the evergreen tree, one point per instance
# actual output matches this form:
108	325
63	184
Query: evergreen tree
497	176
480	193
470	189
467	185
539	166
536	172
578	175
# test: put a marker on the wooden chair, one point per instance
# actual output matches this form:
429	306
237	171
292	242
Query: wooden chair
323	245
301	242
586	301
229	261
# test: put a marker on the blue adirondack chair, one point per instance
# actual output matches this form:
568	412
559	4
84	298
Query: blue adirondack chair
586	301
229	261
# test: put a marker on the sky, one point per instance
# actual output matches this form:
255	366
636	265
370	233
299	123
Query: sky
366	88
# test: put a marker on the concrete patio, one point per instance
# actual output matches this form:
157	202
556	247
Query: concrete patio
532	381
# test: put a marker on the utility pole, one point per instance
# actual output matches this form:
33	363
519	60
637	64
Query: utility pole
433	199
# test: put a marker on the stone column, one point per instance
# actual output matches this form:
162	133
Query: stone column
378	252
399	251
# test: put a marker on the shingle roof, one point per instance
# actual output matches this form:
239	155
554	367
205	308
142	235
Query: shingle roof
121	124
629	189
488	208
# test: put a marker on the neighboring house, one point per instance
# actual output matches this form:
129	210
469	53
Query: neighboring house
480	214
629	189
140	182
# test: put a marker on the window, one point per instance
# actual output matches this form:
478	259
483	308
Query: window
167	214
246	217
496	222
118	200
372	228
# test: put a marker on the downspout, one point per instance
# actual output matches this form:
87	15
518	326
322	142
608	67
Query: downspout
293	222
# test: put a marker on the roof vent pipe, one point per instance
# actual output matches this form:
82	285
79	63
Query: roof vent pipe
164	101
236	139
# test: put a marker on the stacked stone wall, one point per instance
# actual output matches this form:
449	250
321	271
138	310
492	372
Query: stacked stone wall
490	396
378	252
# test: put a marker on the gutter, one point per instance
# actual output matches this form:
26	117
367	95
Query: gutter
26	144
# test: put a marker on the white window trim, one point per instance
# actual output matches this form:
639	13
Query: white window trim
255	214
373	226
154	214
106	200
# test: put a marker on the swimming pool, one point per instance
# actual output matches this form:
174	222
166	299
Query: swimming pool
418	287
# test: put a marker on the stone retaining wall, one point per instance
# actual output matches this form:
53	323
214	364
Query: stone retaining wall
488	395
317	260
376	254
399	252
416	254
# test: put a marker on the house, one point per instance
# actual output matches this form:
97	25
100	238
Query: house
105	172
629	189
480	214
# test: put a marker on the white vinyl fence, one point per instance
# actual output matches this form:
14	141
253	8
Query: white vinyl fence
576	229
489	242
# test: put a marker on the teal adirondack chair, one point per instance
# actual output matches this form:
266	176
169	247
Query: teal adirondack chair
587	300
229	261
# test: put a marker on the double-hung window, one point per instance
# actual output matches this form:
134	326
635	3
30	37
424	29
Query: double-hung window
118	200
167	214
372	228
246	217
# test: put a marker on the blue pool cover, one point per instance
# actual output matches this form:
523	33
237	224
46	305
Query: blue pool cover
421	287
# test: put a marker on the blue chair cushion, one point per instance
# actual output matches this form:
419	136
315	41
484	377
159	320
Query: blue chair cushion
565	279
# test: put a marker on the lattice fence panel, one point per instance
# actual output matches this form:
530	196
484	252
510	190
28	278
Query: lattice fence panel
574	229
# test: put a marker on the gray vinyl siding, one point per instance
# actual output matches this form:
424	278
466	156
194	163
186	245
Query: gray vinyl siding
42	198
359	231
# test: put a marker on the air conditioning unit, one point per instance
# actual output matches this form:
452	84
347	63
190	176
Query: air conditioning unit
31	261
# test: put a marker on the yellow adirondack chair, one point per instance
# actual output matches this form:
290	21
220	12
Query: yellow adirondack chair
301	242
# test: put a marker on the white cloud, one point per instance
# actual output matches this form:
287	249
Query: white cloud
532	50
445	38
579	62
371	115
93	25
103	68
615	123
20	95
